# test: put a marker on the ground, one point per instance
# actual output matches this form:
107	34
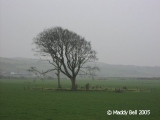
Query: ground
19	101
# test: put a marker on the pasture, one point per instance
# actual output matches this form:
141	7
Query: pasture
38	100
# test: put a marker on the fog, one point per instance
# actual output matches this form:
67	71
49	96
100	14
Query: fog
121	31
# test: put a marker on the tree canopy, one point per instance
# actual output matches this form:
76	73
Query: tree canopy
69	51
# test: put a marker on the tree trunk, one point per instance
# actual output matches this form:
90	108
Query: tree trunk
74	85
58	77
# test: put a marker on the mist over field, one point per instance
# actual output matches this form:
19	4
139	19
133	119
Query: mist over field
21	65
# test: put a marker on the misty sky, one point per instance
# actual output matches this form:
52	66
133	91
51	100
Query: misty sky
121	31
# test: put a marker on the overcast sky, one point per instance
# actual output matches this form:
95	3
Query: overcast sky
121	31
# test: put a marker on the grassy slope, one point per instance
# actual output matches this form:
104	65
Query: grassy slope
19	104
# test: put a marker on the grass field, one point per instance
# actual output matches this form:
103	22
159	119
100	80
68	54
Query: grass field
20	101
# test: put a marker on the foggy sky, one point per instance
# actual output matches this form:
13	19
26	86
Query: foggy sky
121	31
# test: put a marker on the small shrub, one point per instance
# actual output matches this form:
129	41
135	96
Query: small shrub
124	87
118	90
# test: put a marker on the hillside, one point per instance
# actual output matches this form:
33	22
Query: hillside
20	65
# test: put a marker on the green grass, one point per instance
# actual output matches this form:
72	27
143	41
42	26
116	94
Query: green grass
19	104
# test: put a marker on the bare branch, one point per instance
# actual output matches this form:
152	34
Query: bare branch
35	70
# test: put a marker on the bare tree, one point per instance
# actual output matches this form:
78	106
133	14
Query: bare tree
66	48
43	73
43	40
57	66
